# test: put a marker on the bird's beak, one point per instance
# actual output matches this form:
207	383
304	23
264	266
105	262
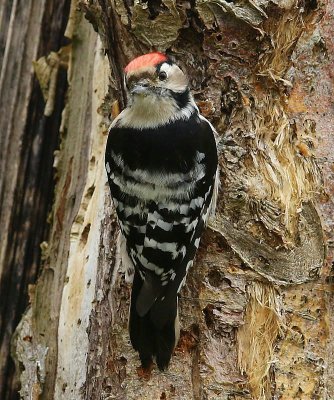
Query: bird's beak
141	87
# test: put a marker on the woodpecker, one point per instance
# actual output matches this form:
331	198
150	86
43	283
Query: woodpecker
161	162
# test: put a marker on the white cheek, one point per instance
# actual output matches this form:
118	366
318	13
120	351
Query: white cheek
177	83
176	80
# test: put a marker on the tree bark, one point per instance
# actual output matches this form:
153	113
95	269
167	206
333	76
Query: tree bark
256	311
28	139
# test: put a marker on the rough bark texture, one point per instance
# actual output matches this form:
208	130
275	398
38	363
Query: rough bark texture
28	139
256	314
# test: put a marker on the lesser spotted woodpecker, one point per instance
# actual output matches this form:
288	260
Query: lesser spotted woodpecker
161	162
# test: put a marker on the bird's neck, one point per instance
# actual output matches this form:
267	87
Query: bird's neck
154	111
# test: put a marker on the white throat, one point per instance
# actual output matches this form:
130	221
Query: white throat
152	111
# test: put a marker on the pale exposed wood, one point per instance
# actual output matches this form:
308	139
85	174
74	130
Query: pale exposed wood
27	142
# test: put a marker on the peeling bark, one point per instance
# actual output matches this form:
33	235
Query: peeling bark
27	141
255	312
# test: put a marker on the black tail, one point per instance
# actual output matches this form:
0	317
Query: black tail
154	334
165	342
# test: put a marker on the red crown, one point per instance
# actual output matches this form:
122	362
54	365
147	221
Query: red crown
147	60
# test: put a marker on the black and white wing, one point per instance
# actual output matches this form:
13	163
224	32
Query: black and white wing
162	200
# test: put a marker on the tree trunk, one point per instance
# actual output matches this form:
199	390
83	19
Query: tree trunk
28	138
256	315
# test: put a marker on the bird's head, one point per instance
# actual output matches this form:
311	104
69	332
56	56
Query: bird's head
155	77
158	92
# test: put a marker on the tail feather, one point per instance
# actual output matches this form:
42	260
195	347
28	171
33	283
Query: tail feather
166	340
164	315
141	329
153	335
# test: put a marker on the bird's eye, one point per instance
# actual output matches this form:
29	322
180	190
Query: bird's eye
162	76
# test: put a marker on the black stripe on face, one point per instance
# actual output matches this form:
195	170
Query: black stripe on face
181	98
